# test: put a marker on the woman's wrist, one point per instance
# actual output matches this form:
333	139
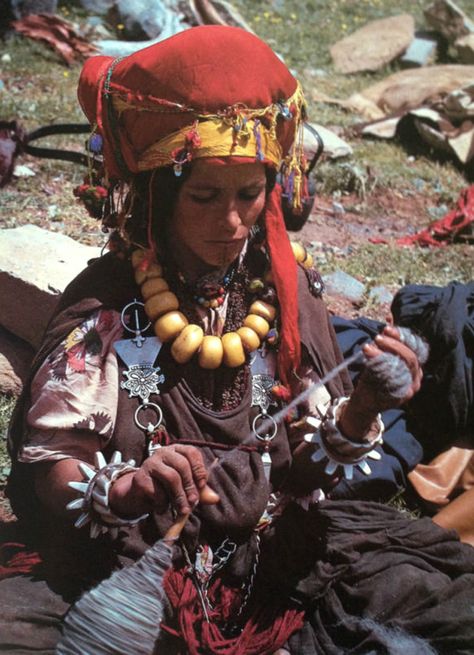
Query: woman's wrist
358	424
358	419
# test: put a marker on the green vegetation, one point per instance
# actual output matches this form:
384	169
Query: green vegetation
6	407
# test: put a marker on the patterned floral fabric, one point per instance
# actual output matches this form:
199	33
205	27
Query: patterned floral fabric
75	390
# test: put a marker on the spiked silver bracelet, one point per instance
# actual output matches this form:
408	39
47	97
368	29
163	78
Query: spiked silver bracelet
94	490
339	451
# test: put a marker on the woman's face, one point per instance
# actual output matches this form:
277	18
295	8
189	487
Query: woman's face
216	207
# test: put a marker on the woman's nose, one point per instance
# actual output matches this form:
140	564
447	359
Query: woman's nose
231	217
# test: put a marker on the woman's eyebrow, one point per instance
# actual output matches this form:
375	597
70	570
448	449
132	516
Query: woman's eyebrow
202	187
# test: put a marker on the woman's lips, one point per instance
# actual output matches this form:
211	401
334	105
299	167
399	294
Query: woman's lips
226	242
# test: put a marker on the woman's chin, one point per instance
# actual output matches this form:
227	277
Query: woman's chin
222	260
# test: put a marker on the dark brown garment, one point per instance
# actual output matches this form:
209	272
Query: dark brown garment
239	478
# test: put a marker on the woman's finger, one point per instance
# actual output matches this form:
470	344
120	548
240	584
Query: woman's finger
196	462
167	475
391	331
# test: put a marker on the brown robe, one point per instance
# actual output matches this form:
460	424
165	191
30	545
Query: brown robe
239	478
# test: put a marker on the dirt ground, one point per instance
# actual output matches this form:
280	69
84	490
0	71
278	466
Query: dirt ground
386	214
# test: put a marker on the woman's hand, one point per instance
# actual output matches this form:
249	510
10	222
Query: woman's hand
173	475
392	376
397	391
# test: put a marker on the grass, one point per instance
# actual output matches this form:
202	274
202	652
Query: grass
396	267
6	407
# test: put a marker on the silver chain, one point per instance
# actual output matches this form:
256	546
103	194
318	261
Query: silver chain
223	554
248	587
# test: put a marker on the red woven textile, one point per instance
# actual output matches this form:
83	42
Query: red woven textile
445	231
16	559
264	632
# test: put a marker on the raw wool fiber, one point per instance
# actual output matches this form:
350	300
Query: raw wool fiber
389	376
397	641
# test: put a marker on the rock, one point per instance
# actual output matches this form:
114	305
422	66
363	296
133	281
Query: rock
21	170
374	45
334	146
421	51
117	48
448	19
407	89
35	267
338	209
465	49
342	284
15	359
150	18
98	6
381	295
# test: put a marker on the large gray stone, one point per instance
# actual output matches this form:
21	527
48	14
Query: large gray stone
342	284
15	358
35	267
334	146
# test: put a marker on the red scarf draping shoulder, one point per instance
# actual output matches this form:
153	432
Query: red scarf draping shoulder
285	277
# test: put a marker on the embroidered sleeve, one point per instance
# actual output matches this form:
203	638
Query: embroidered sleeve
74	393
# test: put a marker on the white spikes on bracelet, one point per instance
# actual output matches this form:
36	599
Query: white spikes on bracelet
327	430
94	490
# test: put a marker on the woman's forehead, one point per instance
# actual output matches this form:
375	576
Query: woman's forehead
207	174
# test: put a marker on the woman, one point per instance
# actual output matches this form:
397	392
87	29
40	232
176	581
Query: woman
192	141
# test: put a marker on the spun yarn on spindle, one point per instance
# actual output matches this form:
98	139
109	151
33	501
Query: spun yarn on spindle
122	614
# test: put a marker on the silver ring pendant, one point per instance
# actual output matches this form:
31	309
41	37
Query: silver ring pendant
151	427
268	421
137	328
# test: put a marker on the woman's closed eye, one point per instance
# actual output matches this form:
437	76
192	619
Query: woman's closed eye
202	197
250	193
209	195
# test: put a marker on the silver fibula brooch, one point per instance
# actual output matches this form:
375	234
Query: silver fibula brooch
142	381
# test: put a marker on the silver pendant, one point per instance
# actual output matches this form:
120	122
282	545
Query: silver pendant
262	386
142	381
139	355
263	369
267	464
133	355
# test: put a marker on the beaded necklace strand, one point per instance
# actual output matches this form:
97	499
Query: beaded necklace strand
187	339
